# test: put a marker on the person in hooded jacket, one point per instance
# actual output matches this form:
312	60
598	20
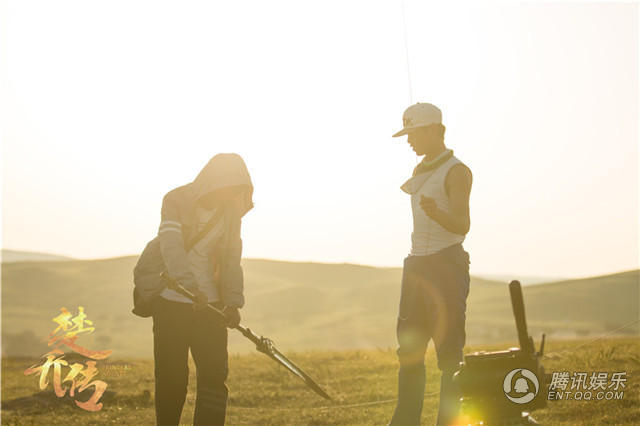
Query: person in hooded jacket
211	270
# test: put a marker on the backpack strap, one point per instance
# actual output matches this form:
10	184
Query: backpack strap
208	227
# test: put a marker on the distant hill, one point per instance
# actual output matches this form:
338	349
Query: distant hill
524	279
299	305
9	256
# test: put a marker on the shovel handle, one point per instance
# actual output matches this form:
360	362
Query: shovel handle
263	345
177	287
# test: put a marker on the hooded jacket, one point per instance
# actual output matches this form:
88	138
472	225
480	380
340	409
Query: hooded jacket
178	226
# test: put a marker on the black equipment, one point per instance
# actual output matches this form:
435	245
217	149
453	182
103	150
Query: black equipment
501	388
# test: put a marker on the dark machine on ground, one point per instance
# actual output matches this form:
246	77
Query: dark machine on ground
503	387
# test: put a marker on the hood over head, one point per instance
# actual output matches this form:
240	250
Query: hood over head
221	171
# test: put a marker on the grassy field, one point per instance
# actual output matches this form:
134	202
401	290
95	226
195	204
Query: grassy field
262	393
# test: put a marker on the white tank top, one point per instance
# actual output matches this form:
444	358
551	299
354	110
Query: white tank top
429	236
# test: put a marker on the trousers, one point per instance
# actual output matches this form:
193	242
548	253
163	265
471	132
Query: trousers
432	307
176	329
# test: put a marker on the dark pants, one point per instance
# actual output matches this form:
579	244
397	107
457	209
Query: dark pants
176	328
432	306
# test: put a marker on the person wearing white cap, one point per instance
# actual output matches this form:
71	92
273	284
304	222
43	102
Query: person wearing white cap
435	277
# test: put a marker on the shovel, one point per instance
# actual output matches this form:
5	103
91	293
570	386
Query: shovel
263	344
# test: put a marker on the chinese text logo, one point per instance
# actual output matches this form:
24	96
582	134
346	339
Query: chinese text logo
79	376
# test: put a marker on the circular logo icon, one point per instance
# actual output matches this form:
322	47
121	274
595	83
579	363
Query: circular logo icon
520	386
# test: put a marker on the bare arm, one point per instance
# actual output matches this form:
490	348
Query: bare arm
458	185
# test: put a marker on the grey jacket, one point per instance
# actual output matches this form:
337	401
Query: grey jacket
178	227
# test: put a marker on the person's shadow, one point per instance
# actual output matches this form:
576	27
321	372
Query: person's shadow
45	401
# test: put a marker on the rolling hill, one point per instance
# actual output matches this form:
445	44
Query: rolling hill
9	256
299	305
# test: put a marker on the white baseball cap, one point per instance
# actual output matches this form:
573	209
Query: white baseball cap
419	115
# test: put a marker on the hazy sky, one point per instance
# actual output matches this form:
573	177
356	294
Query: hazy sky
106	106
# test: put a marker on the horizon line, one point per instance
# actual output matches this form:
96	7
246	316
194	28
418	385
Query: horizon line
485	275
